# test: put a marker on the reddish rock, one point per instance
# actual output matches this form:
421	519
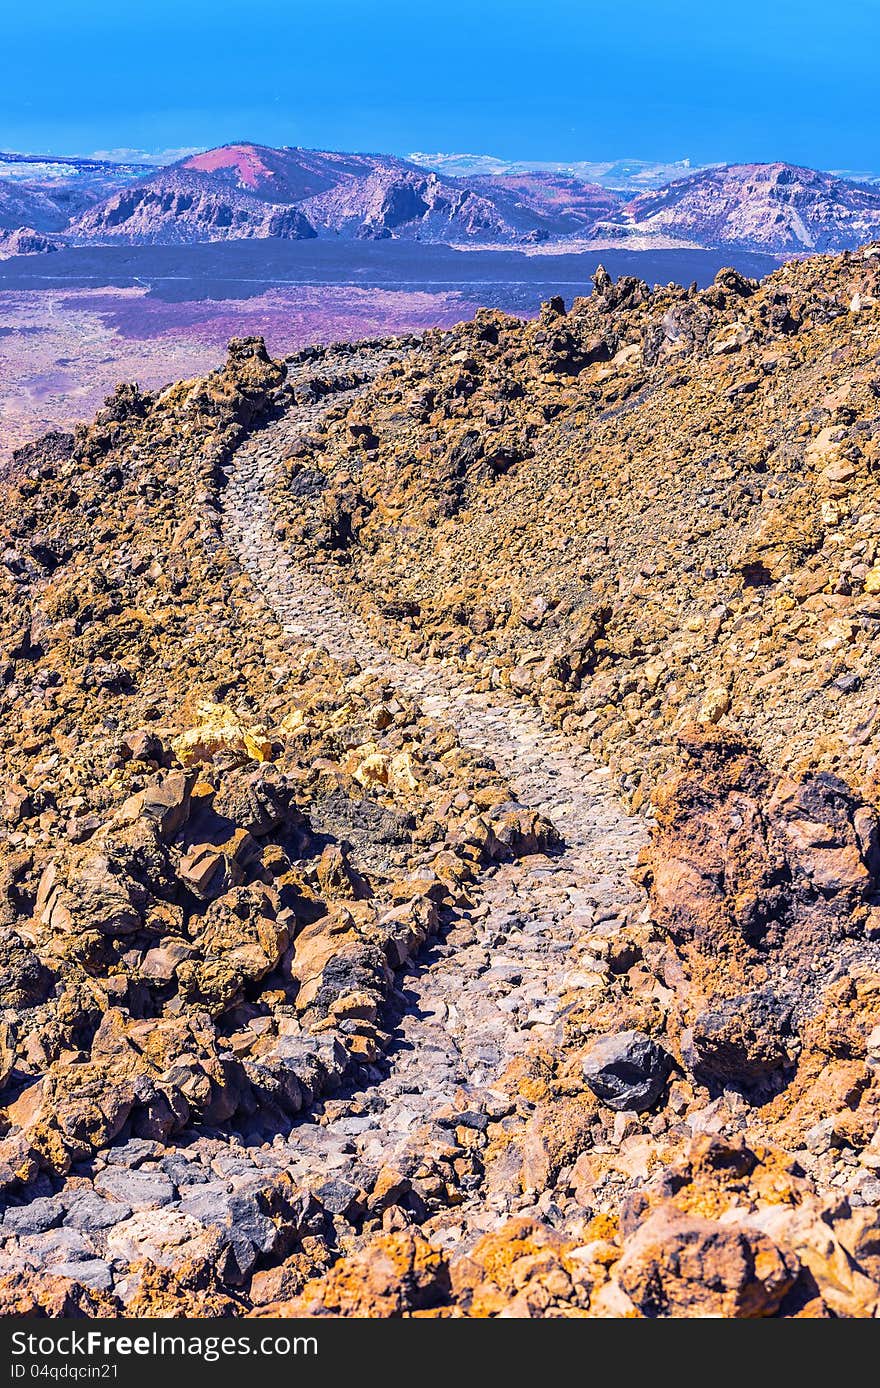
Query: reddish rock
682	1266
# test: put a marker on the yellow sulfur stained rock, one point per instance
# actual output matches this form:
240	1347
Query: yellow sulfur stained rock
872	581
221	731
714	705
401	772
371	768
292	722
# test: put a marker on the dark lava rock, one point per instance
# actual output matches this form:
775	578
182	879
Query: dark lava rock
742	1041
338	1196
307	483
848	683
627	1070
379	837
24	980
140	1190
54	447
90	1212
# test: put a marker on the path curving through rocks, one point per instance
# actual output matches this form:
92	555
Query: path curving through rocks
487	988
494	982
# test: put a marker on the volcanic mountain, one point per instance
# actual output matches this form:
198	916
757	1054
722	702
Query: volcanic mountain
779	208
230	194
544	204
46	192
26	205
246	190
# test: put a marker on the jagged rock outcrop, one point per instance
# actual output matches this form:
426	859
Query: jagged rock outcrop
246	190
25	241
177	208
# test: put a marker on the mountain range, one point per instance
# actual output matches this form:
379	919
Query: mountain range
625	176
773	207
244	190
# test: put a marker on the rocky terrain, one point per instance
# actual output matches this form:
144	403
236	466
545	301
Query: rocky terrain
62	350
25	241
47	192
545	205
442	838
23	205
774	207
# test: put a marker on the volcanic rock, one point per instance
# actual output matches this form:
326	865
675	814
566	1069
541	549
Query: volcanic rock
626	1071
743	1040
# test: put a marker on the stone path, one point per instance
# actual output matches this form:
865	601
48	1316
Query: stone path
495	981
481	994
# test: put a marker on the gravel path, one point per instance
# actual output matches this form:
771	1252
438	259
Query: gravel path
495	981
486	989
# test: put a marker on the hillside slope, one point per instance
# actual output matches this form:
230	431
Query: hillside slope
613	474
300	661
548	205
24	205
45	193
25	241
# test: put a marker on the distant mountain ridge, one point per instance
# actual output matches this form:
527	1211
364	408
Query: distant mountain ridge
249	191
24	206
246	190
617	175
64	165
45	192
546	204
780	208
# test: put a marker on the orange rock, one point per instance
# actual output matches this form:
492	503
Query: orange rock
681	1266
394	1275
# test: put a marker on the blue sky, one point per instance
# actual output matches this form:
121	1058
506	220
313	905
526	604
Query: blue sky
553	79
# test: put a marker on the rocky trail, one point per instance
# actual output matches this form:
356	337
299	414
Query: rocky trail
487	987
494	981
329	988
